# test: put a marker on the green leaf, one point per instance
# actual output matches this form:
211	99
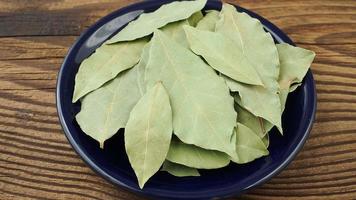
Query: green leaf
261	102
257	124
195	18
141	68
106	110
219	51
295	63
259	48
294	87
105	64
148	133
147	23
265	140
203	112
175	32
196	157
248	145
208	23
252	41
179	170
175	29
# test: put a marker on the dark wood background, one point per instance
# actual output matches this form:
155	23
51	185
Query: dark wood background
37	162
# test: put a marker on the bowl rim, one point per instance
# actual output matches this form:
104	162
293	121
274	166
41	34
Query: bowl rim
280	35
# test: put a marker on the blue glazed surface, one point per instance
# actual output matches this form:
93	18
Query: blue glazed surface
112	162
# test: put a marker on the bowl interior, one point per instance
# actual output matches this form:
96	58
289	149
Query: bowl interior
112	162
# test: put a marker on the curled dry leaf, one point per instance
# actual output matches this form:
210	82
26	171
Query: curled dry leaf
295	63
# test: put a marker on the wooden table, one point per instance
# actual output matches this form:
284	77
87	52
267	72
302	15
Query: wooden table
37	162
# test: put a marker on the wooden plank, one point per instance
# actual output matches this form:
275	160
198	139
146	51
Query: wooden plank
305	21
34	47
33	63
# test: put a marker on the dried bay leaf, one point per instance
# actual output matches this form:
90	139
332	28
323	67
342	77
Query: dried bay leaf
171	89
175	32
220	52
208	23
265	140
179	170
259	102
257	124
175	29
247	115
141	69
106	110
257	45
294	87
147	23
196	157
295	63
248	145
105	64
195	18
203	112
259	48
148	133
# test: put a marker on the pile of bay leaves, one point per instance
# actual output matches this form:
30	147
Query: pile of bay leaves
192	90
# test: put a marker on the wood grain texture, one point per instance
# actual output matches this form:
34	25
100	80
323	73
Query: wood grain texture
36	161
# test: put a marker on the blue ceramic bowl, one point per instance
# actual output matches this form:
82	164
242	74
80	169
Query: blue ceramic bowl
112	163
